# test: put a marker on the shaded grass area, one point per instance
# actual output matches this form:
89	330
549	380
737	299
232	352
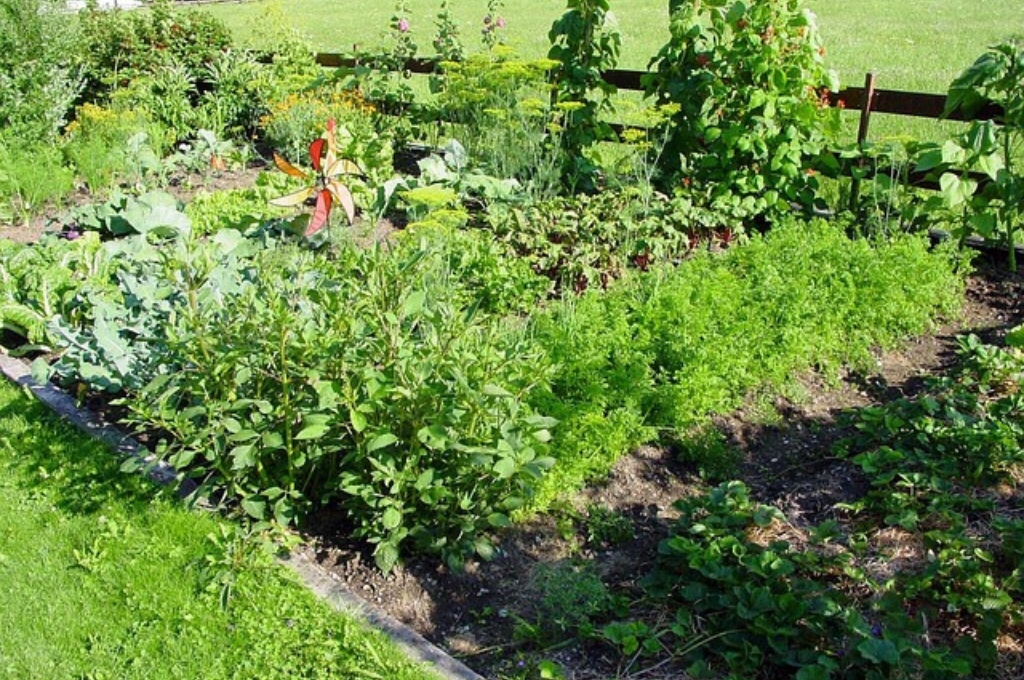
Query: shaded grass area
103	576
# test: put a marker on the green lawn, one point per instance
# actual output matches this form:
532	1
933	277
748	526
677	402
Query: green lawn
916	45
912	45
103	576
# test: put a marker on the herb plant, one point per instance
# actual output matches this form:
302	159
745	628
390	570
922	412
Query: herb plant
362	383
655	354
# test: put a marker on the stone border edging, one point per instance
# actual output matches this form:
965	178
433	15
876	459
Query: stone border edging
327	586
317	579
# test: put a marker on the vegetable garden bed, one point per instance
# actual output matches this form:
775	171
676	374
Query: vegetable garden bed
573	404
535	602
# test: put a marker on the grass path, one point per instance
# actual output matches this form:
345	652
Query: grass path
103	576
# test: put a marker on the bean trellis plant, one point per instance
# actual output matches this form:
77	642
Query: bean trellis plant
586	41
748	79
992	209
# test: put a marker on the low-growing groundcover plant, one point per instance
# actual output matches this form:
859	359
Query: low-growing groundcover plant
738	588
105	577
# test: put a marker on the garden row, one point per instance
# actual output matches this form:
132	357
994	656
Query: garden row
405	387
919	577
403	384
393	380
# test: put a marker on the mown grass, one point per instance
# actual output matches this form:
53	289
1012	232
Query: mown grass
103	576
912	45
915	45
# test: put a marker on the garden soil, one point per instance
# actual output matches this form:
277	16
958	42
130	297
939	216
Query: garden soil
785	443
787	461
183	186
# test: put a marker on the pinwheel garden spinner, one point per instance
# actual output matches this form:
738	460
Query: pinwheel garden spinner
327	187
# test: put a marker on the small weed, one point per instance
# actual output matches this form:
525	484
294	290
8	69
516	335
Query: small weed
608	527
572	598
707	448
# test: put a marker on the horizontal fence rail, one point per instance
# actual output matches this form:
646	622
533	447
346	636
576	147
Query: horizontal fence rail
866	100
898	102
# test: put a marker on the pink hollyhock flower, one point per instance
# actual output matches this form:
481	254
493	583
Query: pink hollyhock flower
403	25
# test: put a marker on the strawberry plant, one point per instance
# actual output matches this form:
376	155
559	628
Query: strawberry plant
757	602
933	461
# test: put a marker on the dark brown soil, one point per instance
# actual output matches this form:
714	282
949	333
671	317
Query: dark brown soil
786	461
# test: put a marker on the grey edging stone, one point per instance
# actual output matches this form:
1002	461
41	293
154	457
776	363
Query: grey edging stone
324	584
315	577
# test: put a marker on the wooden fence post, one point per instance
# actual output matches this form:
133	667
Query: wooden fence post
866	102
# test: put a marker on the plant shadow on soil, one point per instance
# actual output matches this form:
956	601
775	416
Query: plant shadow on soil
784	455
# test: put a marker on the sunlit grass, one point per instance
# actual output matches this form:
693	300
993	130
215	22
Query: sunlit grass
103	576
916	45
912	45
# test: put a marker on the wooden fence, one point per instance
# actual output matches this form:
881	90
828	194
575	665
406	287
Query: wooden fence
866	100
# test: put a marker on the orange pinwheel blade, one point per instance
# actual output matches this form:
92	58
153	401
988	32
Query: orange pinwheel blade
295	198
321	213
287	168
344	197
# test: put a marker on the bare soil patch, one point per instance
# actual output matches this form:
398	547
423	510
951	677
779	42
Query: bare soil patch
183	186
